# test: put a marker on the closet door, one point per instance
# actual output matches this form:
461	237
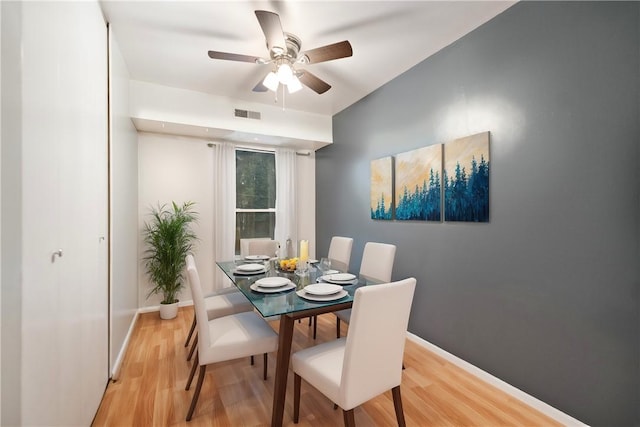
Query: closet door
65	296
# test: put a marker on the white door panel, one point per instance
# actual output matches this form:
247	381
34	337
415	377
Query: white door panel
65	312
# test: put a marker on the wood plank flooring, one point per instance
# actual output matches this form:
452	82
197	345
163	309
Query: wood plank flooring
150	390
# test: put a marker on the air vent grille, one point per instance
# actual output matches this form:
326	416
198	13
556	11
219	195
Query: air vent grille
245	114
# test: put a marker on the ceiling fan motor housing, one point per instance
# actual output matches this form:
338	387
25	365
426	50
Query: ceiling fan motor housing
293	49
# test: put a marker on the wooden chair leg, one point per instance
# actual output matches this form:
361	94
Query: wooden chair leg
297	379
193	371
252	362
193	328
315	326
397	404
265	366
203	369
337	327
349	419
310	320
193	347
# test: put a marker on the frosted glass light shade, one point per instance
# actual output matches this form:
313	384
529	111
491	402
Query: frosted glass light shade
294	85
285	74
271	82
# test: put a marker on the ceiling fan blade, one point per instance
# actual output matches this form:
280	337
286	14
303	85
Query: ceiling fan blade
272	29
233	56
260	87
314	83
327	53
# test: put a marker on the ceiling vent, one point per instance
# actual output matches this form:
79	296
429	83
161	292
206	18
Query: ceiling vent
247	114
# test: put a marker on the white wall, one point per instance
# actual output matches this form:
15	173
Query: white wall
11	252
124	206
180	169
165	104
0	222
173	168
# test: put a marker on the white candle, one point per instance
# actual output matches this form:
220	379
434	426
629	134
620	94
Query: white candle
304	250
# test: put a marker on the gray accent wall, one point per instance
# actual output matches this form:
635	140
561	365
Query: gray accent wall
546	295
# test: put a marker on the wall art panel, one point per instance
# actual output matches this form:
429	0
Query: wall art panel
382	188
466	179
418	185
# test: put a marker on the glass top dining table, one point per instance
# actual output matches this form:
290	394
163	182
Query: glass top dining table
289	306
286	302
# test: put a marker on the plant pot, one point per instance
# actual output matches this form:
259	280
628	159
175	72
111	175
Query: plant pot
168	311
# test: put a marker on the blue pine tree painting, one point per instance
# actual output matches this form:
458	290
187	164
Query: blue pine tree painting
418	184
381	188
466	191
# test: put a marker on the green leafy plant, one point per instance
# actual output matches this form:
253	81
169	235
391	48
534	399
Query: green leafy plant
169	239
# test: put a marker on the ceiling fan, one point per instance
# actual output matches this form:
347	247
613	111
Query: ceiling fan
284	54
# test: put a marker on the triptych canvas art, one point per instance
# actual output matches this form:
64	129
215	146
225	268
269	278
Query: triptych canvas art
450	180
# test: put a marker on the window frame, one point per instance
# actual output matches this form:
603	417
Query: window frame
257	210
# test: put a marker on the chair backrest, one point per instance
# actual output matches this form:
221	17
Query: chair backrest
375	343
340	251
263	247
377	261
244	245
199	306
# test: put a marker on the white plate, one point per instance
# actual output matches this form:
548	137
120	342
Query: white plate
256	288
250	268
322	289
237	272
313	261
329	272
302	294
272	282
340	278
257	257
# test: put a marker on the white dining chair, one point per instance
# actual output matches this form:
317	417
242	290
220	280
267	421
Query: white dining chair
259	246
220	303
377	264
368	362
340	251
263	247
244	245
225	338
340	256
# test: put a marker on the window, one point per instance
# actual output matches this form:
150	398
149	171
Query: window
255	195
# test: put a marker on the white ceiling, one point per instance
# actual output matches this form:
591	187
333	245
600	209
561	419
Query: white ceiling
166	42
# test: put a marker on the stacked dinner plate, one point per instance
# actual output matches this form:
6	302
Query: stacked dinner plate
271	285
322	292
249	269
256	258
339	279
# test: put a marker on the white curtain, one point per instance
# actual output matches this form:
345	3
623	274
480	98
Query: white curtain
224	199
286	203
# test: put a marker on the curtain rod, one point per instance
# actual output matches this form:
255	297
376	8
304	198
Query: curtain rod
298	153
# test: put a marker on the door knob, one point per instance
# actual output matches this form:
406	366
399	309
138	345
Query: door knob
57	253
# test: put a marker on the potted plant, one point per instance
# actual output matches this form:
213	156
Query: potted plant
169	239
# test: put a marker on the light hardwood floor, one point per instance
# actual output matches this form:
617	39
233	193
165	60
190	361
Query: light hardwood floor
150	390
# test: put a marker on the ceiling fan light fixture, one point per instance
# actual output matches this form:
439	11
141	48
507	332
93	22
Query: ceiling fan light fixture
294	85
271	82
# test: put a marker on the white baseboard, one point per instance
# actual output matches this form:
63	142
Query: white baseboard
152	308
537	404
115	373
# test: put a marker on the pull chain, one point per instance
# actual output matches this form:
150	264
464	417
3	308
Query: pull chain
282	97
